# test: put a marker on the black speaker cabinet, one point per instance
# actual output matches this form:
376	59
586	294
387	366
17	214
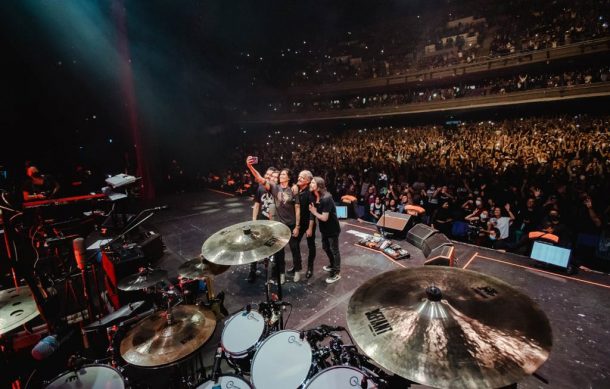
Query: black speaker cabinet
442	256
117	266
394	222
418	234
435	241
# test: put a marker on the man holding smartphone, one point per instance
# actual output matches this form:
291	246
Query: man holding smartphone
262	210
287	210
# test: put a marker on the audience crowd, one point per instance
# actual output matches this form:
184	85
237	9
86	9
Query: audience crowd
485	87
463	32
490	183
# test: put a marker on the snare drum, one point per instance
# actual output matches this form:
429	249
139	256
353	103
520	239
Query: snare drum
242	333
339	377
227	381
89	377
283	360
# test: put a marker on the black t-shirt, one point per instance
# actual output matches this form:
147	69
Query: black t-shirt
47	187
304	198
266	201
330	227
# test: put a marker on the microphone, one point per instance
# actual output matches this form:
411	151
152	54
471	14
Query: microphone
48	345
78	245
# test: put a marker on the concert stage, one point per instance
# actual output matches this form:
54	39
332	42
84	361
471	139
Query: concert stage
577	306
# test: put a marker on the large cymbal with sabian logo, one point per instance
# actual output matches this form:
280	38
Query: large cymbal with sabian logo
246	242
448	327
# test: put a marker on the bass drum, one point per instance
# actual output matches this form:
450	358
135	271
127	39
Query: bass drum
241	335
340	377
283	360
226	382
89	377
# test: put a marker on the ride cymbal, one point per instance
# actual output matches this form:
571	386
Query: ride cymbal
246	242
17	307
200	268
155	342
142	280
448	327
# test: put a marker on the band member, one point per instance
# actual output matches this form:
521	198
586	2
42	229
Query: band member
287	210
324	210
307	227
38	186
262	210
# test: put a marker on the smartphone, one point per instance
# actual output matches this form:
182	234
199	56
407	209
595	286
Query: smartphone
254	160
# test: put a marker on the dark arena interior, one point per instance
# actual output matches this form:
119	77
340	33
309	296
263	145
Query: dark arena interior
279	194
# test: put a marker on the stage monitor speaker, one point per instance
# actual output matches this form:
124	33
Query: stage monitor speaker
394	222
442	256
152	246
435	241
418	234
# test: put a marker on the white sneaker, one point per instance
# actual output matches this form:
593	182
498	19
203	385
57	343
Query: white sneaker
297	276
334	278
327	268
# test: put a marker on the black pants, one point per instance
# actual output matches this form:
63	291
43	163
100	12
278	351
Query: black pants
330	245
280	256
311	245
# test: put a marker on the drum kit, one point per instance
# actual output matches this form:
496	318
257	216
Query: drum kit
437	326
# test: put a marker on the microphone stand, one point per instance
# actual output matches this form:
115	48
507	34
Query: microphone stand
122	235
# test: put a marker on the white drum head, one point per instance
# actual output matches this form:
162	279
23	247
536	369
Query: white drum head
227	382
339	377
89	377
283	360
242	332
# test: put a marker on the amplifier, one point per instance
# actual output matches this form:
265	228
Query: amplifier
118	265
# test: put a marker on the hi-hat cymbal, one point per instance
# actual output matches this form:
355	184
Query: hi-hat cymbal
246	242
200	268
153	342
17	307
142	280
448	327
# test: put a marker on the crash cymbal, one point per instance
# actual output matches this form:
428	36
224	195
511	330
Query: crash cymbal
142	280
153	342
17	307
246	242
200	268
448	327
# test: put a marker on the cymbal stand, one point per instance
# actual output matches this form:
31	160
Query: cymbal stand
215	302
271	302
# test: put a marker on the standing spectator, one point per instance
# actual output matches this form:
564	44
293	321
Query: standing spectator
502	224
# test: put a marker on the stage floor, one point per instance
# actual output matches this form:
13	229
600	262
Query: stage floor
577	306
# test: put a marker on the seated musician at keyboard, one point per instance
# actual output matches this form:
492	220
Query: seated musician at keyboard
38	186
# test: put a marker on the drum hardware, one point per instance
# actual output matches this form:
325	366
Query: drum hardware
289	352
166	337
91	376
145	278
17	307
245	243
241	336
391	317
